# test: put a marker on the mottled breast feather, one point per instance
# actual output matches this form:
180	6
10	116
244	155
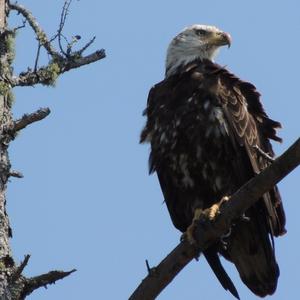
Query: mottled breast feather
203	124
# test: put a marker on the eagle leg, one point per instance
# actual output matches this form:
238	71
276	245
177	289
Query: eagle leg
208	214
189	234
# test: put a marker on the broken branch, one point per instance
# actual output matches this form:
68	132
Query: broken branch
17	274
28	119
51	277
81	61
16	174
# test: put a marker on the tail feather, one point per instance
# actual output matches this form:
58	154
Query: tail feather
213	260
250	249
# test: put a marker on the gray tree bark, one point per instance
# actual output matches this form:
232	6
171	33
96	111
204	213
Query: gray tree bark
6	260
14	285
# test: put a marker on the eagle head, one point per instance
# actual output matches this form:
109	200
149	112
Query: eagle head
195	42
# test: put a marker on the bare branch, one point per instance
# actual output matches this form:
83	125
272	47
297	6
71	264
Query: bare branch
63	17
87	45
17	274
37	57
208	232
47	76
40	34
60	62
75	39
20	26
14	173
28	119
82	61
34	283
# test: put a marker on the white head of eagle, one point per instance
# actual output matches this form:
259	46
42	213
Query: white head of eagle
195	42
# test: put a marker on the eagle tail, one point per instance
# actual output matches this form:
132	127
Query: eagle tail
250	249
213	260
259	275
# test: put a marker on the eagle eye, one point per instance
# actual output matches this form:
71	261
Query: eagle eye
201	32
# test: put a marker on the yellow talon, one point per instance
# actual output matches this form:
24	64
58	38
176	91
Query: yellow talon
210	213
214	210
189	234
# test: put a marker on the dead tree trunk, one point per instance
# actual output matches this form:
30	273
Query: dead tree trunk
6	260
13	285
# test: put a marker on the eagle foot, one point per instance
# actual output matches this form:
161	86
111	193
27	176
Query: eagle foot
210	213
189	234
215	209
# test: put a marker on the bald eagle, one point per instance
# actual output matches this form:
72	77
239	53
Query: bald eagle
208	132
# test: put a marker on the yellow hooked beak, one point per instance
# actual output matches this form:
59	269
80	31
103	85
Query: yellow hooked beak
220	39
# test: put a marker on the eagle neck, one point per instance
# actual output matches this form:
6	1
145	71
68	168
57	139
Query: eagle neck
185	66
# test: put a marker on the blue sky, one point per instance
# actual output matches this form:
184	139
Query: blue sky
87	201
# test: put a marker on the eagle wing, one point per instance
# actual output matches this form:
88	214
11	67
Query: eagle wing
252	130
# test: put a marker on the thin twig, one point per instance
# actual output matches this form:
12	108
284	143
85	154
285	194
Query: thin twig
148	266
208	232
16	275
63	17
59	62
37	57
87	45
40	34
20	26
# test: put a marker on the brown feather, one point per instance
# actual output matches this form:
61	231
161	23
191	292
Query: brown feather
203	124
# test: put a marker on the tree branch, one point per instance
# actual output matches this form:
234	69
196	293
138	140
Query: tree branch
61	61
39	32
34	283
17	274
207	232
88	44
82	61
47	75
16	174
63	17
28	119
